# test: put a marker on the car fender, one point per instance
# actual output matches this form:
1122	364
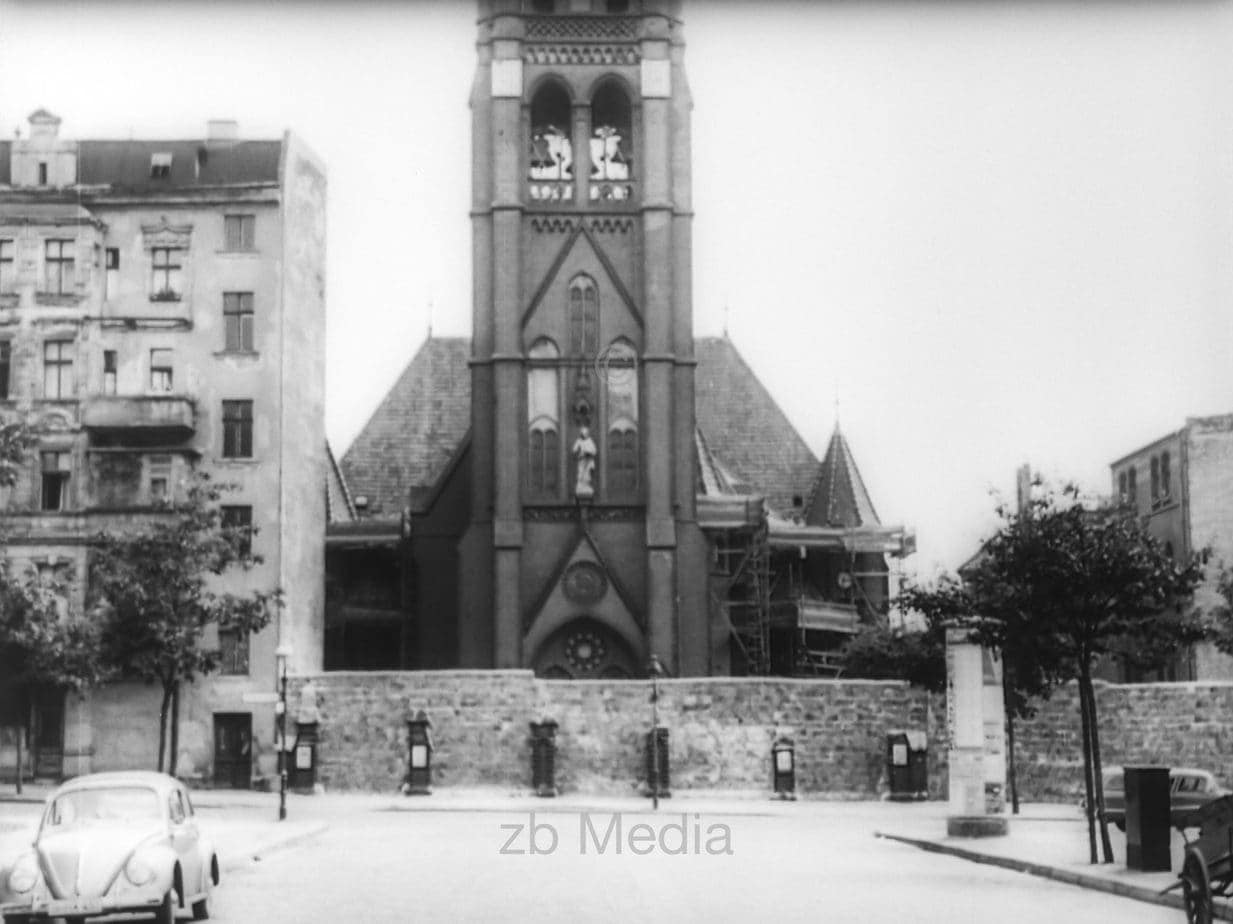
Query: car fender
162	859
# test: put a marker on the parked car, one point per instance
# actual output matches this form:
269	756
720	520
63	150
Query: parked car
1188	790
110	843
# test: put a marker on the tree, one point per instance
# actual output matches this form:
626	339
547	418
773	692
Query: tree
878	652
1222	613
1063	585
154	591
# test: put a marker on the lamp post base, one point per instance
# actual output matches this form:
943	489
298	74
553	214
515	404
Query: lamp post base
977	826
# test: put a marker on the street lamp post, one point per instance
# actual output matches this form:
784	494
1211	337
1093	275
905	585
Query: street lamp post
654	668
282	655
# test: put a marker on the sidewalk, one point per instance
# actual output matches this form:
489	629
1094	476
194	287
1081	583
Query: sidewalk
243	825
1051	841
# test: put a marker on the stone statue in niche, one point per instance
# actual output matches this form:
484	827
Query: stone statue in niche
552	155
585	452
608	162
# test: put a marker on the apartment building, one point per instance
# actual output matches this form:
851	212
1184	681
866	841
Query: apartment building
162	310
1182	484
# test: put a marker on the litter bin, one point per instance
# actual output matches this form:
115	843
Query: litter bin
1147	819
907	765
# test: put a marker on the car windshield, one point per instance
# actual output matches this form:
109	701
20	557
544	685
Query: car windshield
92	806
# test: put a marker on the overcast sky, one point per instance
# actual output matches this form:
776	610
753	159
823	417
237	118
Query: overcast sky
990	233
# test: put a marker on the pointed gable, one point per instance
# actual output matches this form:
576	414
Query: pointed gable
581	254
838	496
747	434
410	439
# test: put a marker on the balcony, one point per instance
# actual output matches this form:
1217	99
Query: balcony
154	417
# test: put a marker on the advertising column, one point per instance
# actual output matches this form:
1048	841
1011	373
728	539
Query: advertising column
974	725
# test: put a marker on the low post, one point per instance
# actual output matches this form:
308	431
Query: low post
543	757
783	768
419	758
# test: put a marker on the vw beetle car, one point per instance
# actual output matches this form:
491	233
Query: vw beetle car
1189	789
111	843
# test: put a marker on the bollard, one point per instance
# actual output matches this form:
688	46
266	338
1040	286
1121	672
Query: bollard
304	764
419	763
783	768
657	776
544	757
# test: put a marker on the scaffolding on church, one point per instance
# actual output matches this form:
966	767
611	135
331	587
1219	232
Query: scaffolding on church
764	581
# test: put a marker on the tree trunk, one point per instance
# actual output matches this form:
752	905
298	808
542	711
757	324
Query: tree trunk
1085	684
163	712
1010	765
1011	779
173	757
1089	803
21	733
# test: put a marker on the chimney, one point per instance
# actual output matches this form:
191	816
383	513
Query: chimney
222	131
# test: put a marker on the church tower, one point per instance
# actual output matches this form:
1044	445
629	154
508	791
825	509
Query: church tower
582	557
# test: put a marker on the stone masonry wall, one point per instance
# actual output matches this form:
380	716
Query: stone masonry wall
721	730
1170	724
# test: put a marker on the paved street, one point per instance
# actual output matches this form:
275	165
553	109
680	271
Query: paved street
378	864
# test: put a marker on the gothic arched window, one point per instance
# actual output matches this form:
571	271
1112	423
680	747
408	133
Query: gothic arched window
621	384
543	418
611	133
552	153
583	316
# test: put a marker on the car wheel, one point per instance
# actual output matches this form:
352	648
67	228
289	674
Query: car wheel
201	909
166	913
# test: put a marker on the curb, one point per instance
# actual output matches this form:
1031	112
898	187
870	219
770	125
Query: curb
1221	910
273	845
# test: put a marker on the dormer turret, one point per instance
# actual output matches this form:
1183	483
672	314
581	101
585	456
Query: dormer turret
43	159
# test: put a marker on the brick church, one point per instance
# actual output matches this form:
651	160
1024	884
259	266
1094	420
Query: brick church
584	484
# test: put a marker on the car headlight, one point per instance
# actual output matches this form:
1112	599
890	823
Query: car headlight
24	875
138	871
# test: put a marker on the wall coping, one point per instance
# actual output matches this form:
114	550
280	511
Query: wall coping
519	674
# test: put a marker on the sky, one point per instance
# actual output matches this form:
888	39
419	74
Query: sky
974	234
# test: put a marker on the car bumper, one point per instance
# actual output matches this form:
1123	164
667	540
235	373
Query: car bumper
46	909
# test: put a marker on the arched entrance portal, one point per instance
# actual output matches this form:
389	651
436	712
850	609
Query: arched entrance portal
585	649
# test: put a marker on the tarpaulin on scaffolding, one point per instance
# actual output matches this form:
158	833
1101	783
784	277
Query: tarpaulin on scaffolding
825	616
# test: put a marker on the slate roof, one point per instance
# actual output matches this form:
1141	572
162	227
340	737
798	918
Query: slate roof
746	430
338	505
126	164
838	496
413	434
745	443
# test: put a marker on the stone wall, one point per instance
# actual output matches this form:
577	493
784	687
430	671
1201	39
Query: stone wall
1171	724
721	730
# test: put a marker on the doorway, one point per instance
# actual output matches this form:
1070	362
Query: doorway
233	750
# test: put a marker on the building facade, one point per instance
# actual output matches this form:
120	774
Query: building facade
162	311
1182	484
584	486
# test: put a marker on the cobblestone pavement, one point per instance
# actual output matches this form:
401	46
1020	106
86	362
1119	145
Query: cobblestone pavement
816	864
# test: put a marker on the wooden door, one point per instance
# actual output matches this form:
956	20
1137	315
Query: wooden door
233	750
